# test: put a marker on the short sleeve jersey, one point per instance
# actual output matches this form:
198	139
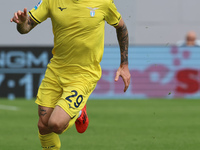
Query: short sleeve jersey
78	28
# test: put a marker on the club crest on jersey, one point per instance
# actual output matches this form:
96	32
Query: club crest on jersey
40	2
92	11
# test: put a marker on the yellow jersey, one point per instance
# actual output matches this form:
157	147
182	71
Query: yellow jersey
78	28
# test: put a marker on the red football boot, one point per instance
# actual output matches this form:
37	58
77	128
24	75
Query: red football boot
82	122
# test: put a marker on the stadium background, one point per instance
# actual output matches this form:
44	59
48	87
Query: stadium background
152	22
160	110
155	64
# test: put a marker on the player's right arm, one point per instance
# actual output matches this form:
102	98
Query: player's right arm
24	22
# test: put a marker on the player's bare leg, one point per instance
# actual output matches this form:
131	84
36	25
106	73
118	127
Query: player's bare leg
51	123
44	115
58	120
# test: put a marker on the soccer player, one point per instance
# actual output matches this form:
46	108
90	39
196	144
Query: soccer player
74	70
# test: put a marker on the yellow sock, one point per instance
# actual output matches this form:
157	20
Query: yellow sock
71	123
50	141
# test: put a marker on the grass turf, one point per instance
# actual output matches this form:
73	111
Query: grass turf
114	125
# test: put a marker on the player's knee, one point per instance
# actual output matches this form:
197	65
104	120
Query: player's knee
42	127
56	127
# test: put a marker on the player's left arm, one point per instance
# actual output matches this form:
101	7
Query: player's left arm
123	70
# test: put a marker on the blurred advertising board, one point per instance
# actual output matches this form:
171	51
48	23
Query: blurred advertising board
22	70
156	72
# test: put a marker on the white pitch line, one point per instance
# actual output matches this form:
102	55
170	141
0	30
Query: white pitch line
6	107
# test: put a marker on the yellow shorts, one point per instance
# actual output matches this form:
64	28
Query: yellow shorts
69	94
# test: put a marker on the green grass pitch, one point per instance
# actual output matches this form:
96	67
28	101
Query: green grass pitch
114	125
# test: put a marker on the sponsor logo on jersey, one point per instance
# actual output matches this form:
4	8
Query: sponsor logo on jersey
40	2
62	8
92	11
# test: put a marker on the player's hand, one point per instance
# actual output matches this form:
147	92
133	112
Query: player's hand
19	16
123	72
